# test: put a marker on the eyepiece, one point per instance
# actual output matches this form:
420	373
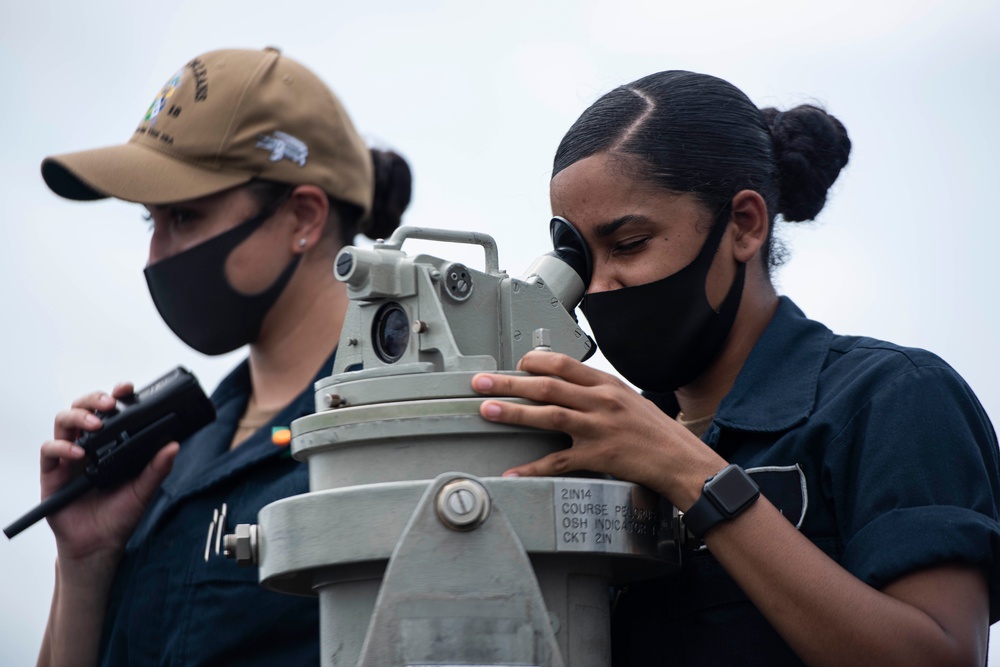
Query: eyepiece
570	247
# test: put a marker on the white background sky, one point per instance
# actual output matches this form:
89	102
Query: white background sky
477	96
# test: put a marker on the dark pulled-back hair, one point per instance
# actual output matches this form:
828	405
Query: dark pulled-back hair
698	134
393	189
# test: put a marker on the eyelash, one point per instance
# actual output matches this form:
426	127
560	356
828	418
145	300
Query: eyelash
177	216
630	246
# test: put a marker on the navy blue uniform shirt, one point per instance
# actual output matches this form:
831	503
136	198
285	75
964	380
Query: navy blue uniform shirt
169	606
881	455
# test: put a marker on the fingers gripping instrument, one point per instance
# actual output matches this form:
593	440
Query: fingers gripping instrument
171	408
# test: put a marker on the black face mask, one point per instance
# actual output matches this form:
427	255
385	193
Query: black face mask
664	334
196	300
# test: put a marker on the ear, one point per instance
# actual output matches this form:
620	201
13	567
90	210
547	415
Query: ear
752	224
311	207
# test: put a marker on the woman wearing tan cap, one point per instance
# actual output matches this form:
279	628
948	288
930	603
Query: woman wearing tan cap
253	177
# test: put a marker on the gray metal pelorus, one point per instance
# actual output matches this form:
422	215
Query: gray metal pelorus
419	552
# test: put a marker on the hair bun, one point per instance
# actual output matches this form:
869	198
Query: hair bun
811	147
393	188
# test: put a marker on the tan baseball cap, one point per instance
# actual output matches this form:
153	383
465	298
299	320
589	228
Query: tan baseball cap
225	118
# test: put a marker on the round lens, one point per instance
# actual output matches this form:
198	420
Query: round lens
391	332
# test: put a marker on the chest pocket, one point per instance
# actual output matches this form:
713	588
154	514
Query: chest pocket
243	501
231	619
785	487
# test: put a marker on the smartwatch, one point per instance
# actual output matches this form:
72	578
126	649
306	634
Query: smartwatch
724	496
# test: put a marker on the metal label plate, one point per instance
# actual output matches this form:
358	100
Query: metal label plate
605	517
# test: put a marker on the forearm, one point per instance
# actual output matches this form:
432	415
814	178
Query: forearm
828	616
76	618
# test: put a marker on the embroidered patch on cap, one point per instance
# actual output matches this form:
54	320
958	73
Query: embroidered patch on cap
168	90
284	146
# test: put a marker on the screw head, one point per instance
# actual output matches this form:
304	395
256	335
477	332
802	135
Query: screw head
345	262
463	504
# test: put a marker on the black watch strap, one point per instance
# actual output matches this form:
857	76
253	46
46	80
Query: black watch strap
724	496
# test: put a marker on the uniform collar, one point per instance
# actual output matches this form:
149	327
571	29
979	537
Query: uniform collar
776	388
205	459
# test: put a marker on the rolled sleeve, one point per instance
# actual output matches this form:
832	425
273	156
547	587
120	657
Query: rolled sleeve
915	476
905	540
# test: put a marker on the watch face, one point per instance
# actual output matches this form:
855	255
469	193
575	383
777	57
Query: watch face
733	489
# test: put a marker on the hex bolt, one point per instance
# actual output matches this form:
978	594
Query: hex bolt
334	400
242	544
463	504
541	339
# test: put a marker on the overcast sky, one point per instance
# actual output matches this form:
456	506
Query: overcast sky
477	96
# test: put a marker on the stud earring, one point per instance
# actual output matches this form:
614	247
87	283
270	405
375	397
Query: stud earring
302	243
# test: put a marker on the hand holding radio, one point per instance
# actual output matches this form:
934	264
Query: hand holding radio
101	521
116	437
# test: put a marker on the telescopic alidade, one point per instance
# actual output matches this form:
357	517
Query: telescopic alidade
419	552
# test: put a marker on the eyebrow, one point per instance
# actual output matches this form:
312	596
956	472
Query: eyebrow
608	228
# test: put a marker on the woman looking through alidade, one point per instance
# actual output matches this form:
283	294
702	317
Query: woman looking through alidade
850	512
253	178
